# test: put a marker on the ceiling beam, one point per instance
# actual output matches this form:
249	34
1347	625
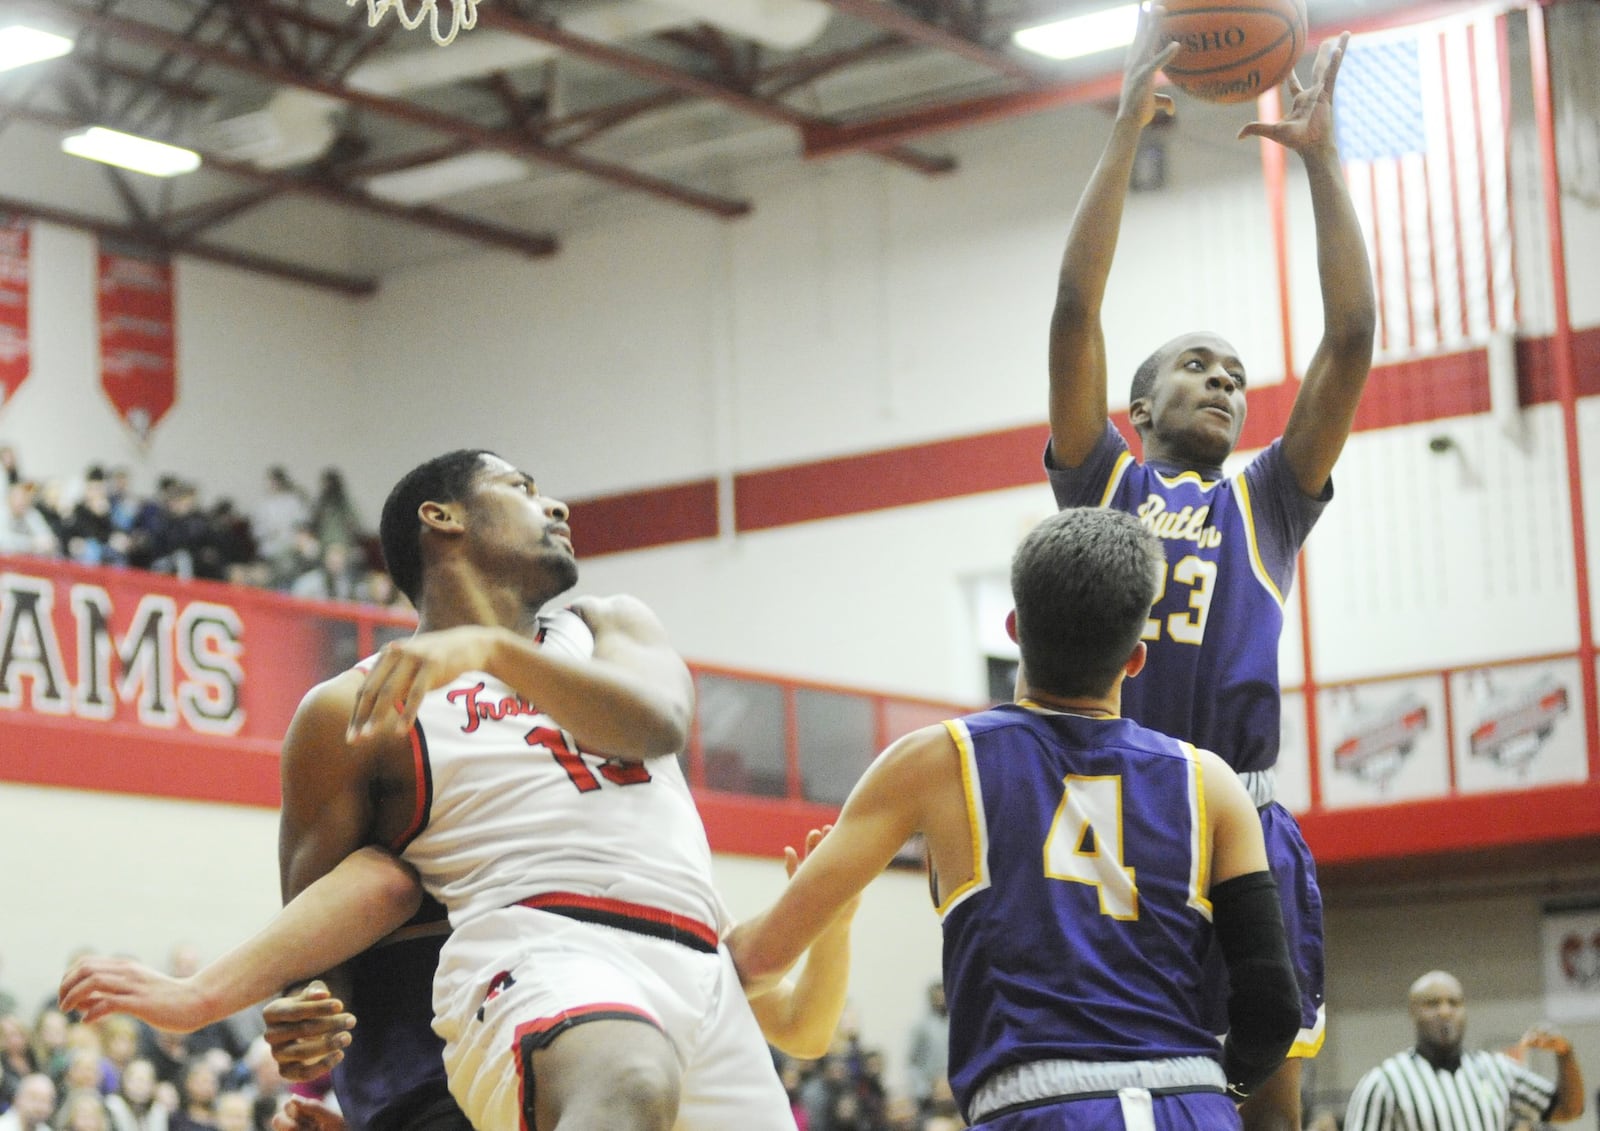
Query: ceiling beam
887	17
653	70
872	134
506	141
359	286
478	231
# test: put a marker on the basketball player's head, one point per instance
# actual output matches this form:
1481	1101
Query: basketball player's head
1083	581
1187	400
1439	1012
473	510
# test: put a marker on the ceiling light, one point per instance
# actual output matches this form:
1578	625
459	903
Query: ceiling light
140	154
21	45
1081	35
447	177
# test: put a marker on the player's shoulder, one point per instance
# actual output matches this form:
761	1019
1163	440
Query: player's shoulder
620	612
333	696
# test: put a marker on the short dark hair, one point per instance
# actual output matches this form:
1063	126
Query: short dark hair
1083	581
443	479
1144	377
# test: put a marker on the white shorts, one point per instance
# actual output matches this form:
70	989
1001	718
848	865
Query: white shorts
519	975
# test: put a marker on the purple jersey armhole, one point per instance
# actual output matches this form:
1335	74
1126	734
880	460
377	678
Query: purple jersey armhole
1282	514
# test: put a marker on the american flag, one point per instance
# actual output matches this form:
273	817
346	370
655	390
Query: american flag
1421	121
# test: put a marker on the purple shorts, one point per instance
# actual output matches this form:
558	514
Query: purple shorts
1296	876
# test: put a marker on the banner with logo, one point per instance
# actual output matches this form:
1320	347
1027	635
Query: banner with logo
136	683
138	337
15	357
1571	958
1382	742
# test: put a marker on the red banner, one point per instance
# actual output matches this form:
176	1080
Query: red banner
138	341
135	683
14	357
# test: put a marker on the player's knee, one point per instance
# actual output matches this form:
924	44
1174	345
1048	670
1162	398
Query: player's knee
641	1094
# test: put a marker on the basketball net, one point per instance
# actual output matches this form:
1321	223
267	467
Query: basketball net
464	14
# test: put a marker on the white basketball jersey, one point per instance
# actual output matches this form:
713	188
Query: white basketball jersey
509	807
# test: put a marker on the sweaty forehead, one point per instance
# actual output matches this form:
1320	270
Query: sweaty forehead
493	467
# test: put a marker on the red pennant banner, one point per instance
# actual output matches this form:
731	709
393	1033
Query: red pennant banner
138	341
14	357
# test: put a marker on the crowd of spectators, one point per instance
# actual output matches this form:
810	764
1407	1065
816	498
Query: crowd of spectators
294	541
59	1074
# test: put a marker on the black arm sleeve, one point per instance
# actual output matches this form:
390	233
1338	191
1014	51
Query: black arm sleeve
1264	999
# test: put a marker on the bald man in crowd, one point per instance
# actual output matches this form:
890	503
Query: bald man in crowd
1435	1086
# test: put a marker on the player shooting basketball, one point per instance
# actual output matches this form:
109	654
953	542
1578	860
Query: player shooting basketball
1231	542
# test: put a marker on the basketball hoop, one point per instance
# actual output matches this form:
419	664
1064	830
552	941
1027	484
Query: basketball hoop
464	14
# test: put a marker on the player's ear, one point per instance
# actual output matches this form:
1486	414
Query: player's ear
444	517
1135	663
1011	626
1139	414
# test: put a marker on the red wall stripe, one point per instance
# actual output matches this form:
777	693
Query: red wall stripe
635	520
1408	392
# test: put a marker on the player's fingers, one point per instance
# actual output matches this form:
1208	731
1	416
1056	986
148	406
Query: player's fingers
303	1073
1293	82
1335	58
389	698
361	713
421	683
791	860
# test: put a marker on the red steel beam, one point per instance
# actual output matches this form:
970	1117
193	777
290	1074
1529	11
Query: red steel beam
526	243
641	66
873	134
506	141
358	286
887	17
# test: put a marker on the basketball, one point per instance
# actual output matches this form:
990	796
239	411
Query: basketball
1233	50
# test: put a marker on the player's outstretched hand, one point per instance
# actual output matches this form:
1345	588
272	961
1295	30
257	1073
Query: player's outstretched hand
1148	53
1308	125
301	1114
308	1032
407	670
97	986
791	865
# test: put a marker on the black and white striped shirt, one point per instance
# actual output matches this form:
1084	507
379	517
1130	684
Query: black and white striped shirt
1488	1091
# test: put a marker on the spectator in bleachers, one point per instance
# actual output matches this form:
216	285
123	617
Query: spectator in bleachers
235	544
928	1059
50	1049
16	1057
8	1000
10	472
31	1109
83	1071
23	530
119	492
333	515
199	1090
332	578
82	1110
280	513
133	1106
91	534
119	1037
50	501
378	588
235	1112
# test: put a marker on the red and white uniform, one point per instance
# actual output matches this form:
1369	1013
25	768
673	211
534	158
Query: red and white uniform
578	889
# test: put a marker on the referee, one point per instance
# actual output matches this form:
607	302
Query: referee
1437	1087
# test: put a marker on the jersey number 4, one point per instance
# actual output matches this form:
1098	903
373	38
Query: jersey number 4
571	759
1188	626
1084	845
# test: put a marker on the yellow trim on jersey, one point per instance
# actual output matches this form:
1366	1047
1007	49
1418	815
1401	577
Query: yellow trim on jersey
1118	469
1249	513
1185	477
1200	846
977	828
1309	1043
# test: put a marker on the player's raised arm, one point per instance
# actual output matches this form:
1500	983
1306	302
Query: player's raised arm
633	699
366	897
800	1015
890	802
1264	998
1078	409
1325	408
